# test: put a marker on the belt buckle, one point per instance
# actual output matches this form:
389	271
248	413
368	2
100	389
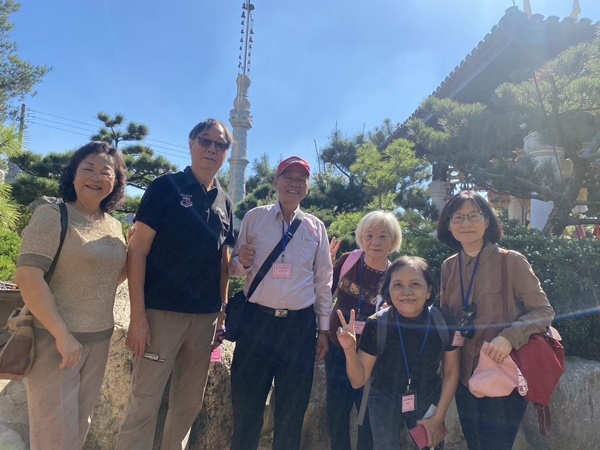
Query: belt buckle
282	313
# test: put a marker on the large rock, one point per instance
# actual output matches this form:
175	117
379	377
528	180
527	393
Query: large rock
575	410
211	429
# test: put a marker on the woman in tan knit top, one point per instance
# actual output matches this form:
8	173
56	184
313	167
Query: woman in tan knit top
74	312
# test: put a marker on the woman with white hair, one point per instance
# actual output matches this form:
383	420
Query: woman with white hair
356	279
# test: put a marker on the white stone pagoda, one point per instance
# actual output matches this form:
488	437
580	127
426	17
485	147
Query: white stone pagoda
240	117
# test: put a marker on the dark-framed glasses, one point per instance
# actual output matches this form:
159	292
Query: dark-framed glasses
467	320
473	216
206	143
103	175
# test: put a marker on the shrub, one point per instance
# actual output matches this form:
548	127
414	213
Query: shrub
9	250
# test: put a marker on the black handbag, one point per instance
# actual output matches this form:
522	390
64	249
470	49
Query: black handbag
16	339
235	307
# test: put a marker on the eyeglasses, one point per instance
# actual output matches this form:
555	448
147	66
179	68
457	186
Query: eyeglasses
90	173
473	217
369	238
467	320
205	143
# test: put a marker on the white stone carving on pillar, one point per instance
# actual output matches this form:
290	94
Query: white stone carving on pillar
517	211
241	121
437	192
540	153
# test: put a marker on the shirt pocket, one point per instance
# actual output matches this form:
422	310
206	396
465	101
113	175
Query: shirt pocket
302	252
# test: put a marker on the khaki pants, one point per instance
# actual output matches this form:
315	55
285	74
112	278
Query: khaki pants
61	402
183	341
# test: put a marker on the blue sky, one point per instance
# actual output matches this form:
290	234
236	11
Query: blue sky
316	64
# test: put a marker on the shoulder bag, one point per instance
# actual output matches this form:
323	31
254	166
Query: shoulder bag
542	361
16	339
235	306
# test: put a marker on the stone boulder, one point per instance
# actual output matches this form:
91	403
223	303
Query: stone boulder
575	410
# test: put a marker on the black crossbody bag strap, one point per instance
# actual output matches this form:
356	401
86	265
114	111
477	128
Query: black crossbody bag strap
264	269
64	218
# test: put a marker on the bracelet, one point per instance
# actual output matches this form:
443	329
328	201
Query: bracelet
324	332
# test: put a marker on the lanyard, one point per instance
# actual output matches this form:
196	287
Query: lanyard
465	298
408	371
360	296
285	238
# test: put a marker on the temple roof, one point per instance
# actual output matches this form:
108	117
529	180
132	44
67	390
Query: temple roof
513	48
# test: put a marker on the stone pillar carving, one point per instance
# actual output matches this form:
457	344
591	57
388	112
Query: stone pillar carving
517	210
241	121
437	192
540	153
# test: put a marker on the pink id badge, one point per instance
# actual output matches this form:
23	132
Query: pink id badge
358	326
409	401
459	339
282	270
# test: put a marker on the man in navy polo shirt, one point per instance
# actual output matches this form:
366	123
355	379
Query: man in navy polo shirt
178	278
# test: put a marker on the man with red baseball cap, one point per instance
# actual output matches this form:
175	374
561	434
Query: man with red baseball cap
293	161
285	324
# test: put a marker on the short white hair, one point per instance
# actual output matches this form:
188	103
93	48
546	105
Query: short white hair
377	218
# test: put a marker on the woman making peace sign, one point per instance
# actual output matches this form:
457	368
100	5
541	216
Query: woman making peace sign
405	384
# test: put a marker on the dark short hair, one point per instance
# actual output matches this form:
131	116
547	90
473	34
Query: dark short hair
416	262
493	232
66	188
209	123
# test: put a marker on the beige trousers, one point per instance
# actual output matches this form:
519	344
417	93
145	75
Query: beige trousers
183	341
61	401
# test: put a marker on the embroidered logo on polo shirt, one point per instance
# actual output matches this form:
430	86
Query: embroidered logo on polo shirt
186	200
221	212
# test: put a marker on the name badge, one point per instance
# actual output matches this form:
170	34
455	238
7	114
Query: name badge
459	339
358	326
282	271
409	402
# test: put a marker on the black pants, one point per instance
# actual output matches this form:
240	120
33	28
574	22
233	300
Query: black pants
341	396
489	423
279	349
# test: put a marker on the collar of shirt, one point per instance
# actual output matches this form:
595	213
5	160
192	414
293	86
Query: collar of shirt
279	212
191	179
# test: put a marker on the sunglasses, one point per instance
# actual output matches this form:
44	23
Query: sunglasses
206	143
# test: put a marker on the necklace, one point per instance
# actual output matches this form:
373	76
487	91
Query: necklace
91	216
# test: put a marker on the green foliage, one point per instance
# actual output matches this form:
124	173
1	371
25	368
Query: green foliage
142	164
17	77
259	187
343	228
40	175
235	286
569	271
363	173
9	212
9	250
484	141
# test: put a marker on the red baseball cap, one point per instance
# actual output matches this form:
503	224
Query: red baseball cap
293	161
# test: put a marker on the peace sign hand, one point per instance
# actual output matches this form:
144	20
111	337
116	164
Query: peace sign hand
346	334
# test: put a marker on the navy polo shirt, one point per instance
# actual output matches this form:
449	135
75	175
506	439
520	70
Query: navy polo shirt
183	268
